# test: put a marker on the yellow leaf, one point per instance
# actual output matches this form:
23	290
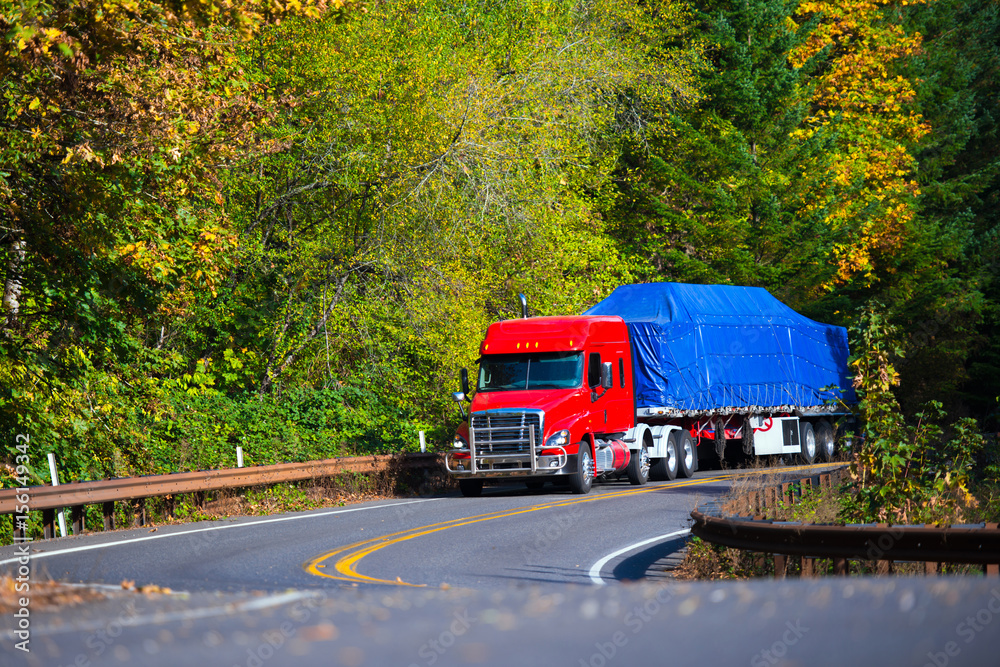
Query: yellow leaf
35	103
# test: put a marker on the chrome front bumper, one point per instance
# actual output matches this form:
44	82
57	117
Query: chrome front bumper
470	463
506	465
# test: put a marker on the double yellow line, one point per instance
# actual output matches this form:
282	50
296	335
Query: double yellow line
344	568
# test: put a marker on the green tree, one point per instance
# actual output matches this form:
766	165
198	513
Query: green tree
436	160
113	118
723	191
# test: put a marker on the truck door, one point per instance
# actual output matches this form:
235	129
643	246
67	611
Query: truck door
598	409
620	406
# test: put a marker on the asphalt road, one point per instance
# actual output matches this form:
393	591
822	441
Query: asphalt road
511	577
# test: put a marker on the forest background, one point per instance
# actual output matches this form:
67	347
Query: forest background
286	226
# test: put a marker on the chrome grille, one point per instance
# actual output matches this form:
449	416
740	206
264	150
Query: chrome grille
505	432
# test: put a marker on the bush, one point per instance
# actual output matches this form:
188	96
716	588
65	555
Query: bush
904	472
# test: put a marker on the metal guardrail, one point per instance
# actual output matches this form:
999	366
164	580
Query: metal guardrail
881	543
106	492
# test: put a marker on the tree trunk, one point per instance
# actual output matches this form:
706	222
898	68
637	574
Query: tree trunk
12	286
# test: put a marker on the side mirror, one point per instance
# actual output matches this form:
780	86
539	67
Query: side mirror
607	375
460	396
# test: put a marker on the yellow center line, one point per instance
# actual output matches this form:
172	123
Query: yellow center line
346	566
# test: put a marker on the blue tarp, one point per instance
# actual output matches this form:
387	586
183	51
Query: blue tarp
707	347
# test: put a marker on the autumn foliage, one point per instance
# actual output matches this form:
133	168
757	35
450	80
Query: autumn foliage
286	225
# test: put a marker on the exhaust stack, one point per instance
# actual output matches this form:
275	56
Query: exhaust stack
524	305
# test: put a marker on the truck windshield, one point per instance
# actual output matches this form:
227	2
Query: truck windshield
546	370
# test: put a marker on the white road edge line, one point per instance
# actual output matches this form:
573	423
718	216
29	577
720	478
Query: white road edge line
595	569
185	615
90	547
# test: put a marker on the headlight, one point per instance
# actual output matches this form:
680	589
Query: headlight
558	439
460	442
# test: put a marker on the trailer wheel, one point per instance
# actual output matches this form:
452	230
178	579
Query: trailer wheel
687	454
807	442
583	478
824	440
666	468
638	466
471	488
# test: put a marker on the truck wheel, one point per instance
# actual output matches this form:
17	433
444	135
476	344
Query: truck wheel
583	478
471	488
666	468
807	443
687	454
824	440
638	466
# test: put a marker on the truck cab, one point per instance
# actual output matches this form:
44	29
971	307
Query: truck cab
554	399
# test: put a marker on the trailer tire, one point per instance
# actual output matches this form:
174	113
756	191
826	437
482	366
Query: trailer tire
807	443
825	440
666	468
687	454
583	477
638	465
471	488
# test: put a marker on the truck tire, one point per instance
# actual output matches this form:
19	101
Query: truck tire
825	440
638	466
807	443
687	454
471	488
583	477
666	468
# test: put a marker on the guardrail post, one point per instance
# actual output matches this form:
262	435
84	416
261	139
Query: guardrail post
930	569
825	481
991	569
109	515
779	566
808	567
787	493
79	517
841	567
48	523
770	497
19	534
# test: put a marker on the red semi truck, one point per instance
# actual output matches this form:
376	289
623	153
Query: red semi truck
642	381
